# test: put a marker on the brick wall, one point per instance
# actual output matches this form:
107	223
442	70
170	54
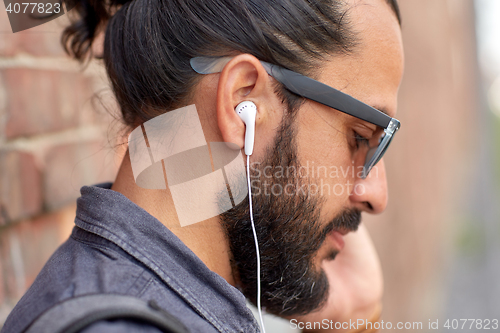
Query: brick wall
54	130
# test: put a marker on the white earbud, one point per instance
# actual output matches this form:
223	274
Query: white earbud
248	111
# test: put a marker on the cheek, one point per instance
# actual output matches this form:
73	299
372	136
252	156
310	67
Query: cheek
321	136
324	152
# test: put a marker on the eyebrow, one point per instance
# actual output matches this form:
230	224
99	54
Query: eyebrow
382	109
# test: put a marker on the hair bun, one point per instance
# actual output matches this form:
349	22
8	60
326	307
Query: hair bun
87	18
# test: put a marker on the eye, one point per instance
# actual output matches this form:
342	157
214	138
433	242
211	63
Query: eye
360	140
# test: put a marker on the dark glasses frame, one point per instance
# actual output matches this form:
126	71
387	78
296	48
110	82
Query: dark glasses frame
319	92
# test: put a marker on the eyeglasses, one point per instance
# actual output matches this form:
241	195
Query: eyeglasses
319	92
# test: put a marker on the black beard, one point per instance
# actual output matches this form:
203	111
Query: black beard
290	234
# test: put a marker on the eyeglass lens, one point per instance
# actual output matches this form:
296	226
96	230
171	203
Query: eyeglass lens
372	157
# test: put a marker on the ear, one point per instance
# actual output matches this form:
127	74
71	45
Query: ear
242	79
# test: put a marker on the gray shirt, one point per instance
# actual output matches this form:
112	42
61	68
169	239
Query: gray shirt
117	247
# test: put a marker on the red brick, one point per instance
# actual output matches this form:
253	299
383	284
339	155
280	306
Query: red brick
20	195
26	246
69	167
41	101
2	291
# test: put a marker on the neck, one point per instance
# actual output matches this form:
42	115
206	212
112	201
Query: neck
206	239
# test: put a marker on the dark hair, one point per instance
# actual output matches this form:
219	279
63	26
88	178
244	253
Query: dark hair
148	43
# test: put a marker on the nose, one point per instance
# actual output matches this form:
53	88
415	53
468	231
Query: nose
370	194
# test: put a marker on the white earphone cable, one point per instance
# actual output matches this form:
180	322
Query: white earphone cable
259	307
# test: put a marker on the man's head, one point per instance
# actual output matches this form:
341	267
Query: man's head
306	172
352	45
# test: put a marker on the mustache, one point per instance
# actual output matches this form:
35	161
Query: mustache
348	220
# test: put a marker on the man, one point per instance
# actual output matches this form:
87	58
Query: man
128	240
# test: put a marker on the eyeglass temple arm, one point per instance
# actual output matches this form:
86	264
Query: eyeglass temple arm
305	87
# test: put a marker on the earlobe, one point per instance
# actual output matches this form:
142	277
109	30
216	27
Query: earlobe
242	79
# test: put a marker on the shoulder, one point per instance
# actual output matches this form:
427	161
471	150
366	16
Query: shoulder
84	264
